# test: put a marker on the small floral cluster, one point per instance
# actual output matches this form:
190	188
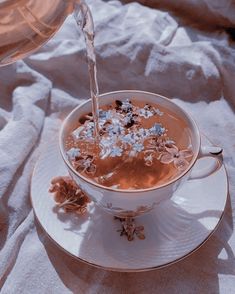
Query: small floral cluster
123	135
68	195
130	230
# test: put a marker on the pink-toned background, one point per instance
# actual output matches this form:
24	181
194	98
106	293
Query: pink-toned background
137	48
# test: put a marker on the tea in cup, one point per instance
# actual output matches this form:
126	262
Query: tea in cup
146	149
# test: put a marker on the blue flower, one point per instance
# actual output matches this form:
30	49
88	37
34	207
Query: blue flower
128	119
115	129
107	142
73	153
138	147
109	115
126	106
157	129
116	151
105	115
128	139
88	133
102	114
145	113
143	132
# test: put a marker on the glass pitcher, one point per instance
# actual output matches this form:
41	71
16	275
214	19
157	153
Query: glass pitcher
25	25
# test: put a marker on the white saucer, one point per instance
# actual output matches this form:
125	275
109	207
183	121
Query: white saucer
173	230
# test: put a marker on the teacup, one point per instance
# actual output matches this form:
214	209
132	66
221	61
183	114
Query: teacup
132	203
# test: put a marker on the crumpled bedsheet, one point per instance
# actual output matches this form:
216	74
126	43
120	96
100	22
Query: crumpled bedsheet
137	48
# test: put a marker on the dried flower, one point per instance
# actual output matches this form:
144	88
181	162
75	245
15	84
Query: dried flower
139	231
68	195
129	229
118	104
129	120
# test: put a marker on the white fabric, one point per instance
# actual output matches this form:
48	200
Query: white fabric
137	48
211	12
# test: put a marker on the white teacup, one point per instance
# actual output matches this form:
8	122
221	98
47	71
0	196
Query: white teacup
131	203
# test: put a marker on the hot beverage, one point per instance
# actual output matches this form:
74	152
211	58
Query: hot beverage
139	146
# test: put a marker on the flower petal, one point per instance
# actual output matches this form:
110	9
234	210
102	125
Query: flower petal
166	158
181	163
172	150
140	235
185	153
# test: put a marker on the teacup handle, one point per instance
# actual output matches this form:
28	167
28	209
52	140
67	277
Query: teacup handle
208	151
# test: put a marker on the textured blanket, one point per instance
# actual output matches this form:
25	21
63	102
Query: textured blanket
165	51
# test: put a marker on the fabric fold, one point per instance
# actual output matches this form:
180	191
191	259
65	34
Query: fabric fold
140	48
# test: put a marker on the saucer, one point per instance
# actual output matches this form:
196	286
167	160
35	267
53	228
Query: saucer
173	230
